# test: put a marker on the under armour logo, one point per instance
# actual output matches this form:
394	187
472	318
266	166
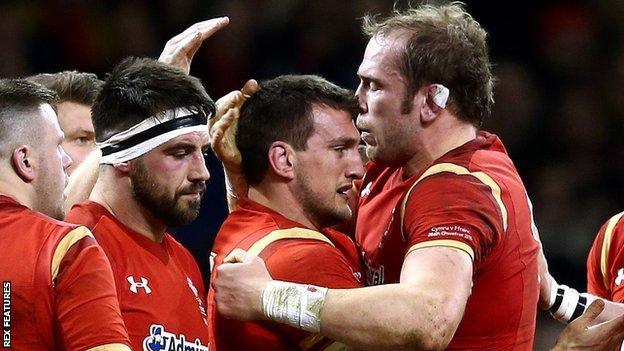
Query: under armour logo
134	285
620	277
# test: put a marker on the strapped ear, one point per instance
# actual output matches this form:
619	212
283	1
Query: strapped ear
436	96
281	159
122	167
24	163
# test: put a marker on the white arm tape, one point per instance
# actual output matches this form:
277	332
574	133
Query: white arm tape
293	304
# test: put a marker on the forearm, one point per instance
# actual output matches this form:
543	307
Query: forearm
391	317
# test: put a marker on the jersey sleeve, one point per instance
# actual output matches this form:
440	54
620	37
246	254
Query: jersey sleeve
85	299
308	262
311	262
453	211
605	263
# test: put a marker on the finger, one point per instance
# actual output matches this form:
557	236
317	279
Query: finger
208	27
250	88
591	313
217	131
203	31
229	101
238	256
187	47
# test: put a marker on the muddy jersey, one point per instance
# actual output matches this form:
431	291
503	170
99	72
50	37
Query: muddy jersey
471	199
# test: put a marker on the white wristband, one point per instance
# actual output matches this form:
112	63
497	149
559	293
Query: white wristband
294	304
566	304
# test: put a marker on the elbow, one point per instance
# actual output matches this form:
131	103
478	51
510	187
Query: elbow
435	335
432	341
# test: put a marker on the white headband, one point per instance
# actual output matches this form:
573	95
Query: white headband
151	133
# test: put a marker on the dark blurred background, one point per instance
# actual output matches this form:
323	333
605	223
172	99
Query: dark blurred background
559	106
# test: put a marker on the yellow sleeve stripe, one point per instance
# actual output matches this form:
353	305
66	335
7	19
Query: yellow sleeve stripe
111	347
459	170
291	233
606	245
64	245
443	243
311	341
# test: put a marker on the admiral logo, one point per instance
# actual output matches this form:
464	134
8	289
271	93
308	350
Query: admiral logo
374	276
161	340
6	314
135	286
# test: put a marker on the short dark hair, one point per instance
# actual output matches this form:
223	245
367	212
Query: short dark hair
282	110
18	99
138	88
446	46
71	86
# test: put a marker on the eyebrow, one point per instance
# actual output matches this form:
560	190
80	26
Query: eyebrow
344	140
181	145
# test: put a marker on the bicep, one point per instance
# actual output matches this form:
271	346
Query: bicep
445	273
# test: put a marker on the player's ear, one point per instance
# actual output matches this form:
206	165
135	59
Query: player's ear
123	167
434	99
24	162
281	159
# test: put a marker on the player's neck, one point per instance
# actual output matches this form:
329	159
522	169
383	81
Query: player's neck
280	200
437	141
120	201
18	192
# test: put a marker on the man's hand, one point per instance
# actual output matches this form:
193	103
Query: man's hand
239	284
222	127
581	335
179	50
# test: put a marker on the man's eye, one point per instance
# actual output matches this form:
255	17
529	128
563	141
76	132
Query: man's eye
82	140
341	150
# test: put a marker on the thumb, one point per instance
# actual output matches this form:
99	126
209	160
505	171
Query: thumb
250	88
591	313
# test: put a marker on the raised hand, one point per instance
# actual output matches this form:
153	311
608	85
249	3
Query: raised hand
179	50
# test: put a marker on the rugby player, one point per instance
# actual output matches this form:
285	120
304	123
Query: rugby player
58	288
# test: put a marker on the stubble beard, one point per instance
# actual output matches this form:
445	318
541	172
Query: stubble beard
170	210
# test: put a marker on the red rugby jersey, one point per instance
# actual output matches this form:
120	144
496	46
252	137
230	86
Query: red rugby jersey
161	293
57	284
472	199
605	263
291	253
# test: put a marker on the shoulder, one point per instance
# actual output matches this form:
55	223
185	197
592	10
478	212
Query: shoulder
86	213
